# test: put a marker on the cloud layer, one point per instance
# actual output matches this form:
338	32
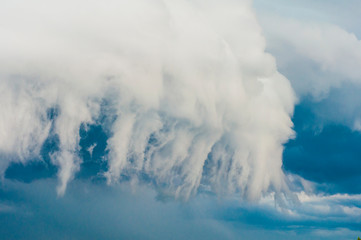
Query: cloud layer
186	90
90	211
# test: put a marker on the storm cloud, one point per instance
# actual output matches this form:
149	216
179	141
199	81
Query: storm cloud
183	89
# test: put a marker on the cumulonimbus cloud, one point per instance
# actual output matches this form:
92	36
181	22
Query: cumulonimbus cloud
193	94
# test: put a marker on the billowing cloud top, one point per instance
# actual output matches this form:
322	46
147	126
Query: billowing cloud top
187	89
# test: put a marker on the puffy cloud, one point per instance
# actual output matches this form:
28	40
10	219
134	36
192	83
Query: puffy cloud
326	54
319	51
185	86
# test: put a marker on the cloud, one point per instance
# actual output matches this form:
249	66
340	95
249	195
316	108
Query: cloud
318	49
92	211
326	54
346	14
182	86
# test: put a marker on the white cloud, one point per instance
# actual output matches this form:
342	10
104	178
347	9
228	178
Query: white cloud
194	75
319	55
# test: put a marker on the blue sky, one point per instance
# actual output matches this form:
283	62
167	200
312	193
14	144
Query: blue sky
187	120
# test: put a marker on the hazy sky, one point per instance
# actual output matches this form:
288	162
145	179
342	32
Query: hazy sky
179	119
